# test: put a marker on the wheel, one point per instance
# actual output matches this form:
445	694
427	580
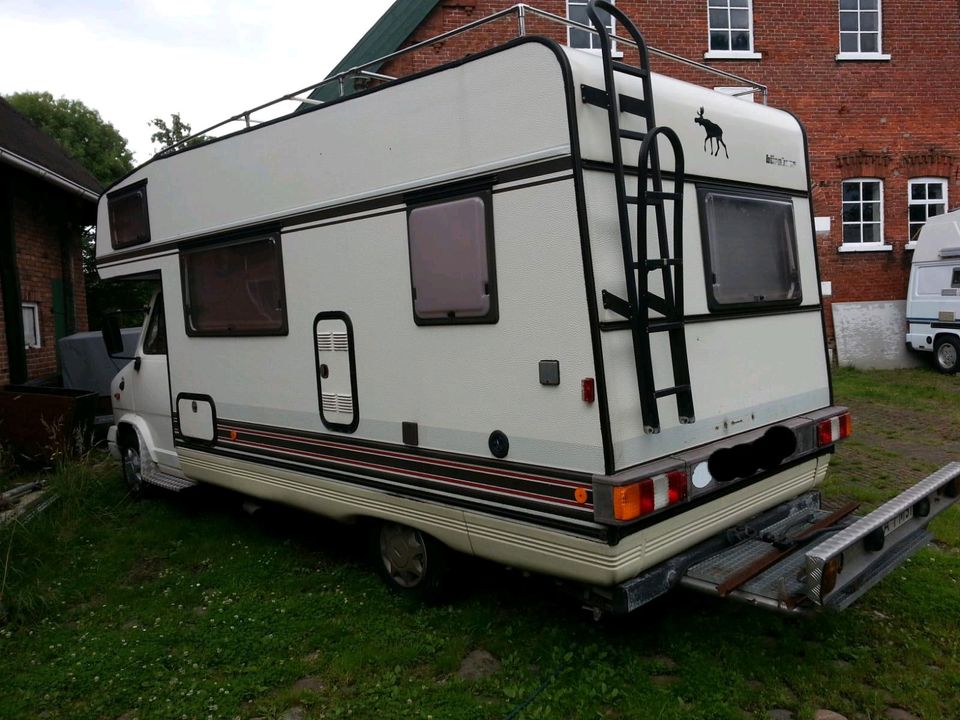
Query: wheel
946	354
133	467
412	563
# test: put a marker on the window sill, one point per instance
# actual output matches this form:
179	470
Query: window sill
862	56
865	247
910	245
731	55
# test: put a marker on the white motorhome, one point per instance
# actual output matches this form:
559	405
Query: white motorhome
933	294
499	307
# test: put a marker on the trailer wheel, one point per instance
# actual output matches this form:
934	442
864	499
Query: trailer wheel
412	563
132	465
946	354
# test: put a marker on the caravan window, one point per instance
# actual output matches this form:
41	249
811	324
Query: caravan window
127	211
235	289
452	269
749	248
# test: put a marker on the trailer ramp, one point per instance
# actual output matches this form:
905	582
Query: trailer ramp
816	558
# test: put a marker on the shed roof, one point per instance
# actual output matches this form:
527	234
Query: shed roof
24	145
386	36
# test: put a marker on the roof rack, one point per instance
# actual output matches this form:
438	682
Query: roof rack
521	11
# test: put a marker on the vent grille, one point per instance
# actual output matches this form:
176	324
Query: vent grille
332	341
337	403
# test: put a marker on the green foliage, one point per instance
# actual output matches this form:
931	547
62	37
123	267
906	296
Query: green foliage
88	138
167	135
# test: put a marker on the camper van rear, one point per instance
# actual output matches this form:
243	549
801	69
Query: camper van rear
527	320
933	293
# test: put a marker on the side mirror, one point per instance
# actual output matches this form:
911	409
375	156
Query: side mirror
111	335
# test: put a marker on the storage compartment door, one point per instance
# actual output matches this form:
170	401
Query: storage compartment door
336	371
198	417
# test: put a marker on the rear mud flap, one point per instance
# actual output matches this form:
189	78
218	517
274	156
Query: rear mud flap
813	558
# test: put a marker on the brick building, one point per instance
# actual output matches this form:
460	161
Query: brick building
46	198
873	81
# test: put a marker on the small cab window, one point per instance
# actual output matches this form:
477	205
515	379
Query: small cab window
749	248
235	288
129	220
452	267
155	340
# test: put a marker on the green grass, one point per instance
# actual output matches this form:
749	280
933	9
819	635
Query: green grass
186	607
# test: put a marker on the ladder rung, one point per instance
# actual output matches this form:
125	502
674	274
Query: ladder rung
663	326
659	196
634	106
632	135
675	390
661	263
629	69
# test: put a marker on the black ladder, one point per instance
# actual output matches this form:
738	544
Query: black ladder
637	267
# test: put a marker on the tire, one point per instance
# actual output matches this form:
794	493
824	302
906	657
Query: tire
411	563
132	466
946	354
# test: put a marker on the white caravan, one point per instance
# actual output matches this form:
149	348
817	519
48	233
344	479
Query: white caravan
933	295
434	307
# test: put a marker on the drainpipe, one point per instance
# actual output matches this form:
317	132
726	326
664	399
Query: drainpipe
10	288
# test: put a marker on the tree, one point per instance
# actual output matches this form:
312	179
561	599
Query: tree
80	130
175	132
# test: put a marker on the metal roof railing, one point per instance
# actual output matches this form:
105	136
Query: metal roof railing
521	11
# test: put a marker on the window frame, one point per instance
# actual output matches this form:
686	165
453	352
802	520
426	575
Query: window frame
926	180
858	54
880	245
221	244
123	193
34	309
714	305
730	54
492	317
593	36
157	320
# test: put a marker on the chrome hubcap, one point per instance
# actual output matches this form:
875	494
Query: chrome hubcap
404	554
947	355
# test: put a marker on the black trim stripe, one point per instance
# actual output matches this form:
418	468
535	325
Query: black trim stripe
507	484
602	166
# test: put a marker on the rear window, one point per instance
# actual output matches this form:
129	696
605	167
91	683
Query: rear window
235	288
129	220
749	248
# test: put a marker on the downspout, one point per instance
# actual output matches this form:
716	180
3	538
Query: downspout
10	288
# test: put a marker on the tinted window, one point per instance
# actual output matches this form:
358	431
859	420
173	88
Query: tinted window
155	341
750	248
235	289
129	221
451	261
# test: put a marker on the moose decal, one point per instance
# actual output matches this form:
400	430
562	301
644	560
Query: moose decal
714	133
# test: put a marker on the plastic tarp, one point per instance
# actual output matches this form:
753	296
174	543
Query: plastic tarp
85	364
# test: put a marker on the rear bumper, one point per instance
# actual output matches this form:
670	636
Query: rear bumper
783	559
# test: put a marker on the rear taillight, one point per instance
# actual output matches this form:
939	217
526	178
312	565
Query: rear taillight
650	494
833	429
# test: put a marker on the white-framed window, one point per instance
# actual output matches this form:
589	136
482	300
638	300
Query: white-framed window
730	30
583	39
863	215
861	30
926	197
31	324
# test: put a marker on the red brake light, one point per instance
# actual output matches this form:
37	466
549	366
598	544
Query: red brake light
587	389
649	494
833	429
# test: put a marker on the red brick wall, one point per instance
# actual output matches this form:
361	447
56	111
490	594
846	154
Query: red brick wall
40	218
906	111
